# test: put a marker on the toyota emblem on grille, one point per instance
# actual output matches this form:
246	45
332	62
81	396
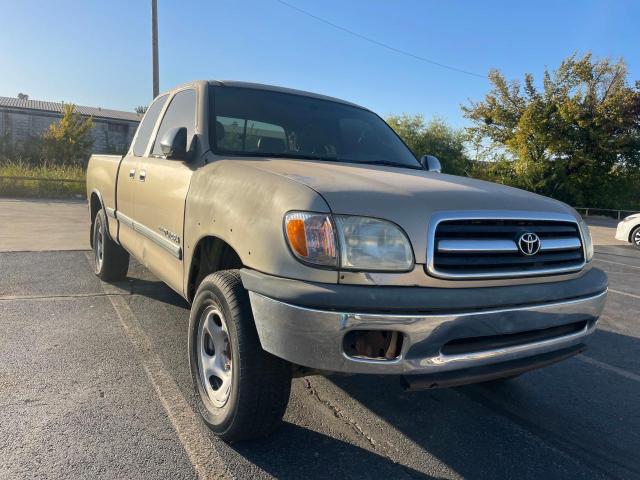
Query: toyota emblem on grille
529	244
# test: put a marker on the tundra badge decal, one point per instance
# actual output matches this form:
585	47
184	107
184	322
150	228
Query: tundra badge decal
170	235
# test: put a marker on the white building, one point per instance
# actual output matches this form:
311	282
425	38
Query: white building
22	118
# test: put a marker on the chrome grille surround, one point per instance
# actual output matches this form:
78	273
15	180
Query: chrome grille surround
502	246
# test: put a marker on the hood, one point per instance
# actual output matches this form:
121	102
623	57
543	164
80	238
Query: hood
405	196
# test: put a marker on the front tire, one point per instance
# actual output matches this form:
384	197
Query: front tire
635	237
111	261
241	391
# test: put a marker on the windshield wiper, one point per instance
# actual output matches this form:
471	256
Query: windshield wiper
303	156
388	163
292	155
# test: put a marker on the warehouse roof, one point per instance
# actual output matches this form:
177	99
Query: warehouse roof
56	107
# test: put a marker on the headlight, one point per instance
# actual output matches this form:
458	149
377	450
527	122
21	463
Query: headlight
363	243
311	237
372	244
586	238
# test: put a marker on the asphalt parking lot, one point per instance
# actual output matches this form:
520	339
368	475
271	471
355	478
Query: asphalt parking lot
94	383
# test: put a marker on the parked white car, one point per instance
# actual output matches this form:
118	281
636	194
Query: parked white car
629	230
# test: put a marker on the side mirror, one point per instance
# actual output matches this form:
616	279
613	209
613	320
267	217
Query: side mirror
174	143
431	163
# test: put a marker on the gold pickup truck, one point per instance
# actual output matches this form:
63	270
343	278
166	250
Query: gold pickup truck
308	239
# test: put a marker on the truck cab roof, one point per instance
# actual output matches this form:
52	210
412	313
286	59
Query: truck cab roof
261	86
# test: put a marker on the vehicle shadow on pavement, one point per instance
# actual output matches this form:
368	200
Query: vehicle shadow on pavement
156	290
295	452
620	251
573	419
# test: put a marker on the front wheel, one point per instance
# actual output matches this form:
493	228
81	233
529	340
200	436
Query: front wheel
241	391
635	237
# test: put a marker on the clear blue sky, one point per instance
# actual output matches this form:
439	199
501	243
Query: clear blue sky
97	52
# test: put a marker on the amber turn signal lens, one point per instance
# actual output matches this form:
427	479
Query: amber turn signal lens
311	237
296	237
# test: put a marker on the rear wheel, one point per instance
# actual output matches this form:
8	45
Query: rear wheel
635	237
111	261
241	390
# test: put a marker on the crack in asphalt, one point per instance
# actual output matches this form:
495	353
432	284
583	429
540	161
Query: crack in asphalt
355	427
340	414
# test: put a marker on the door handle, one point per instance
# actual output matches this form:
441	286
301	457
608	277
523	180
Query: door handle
132	173
143	175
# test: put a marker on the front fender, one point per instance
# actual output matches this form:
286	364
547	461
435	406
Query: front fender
243	205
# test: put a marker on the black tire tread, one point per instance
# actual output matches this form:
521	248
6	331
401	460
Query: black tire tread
264	379
632	235
115	261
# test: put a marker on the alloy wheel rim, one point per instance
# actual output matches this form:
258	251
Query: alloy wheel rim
214	356
636	238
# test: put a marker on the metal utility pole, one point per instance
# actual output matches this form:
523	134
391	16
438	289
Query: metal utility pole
154	47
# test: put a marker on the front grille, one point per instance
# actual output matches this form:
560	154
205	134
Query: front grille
488	248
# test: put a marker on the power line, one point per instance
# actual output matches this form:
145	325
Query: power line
381	44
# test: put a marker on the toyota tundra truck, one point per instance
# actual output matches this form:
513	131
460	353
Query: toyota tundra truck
308	239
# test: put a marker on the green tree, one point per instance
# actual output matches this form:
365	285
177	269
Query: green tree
141	109
69	141
576	139
433	138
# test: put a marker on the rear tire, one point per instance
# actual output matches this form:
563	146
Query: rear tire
111	261
635	237
241	391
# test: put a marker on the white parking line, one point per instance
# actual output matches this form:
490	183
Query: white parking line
624	293
617	263
51	297
193	435
610	368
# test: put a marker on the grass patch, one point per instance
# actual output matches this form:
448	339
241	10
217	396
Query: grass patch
42	181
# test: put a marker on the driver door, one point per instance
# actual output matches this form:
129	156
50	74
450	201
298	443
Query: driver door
128	185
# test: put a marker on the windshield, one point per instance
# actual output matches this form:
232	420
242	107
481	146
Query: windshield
253	122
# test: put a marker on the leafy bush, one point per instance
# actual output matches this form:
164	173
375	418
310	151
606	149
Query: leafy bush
433	138
66	142
577	139
69	141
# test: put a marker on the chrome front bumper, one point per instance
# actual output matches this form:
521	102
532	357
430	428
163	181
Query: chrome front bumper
314	338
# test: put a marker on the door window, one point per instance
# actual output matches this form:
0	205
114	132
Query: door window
146	127
181	113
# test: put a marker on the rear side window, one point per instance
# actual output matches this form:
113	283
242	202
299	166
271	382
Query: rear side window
181	113
146	127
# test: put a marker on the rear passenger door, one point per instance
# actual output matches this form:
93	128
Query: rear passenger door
127	183
162	192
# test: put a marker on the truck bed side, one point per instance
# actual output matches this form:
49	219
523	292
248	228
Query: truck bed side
102	178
